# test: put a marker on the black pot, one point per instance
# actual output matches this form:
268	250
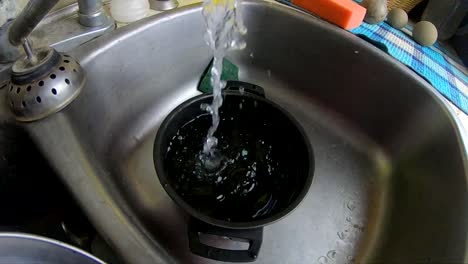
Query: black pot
259	188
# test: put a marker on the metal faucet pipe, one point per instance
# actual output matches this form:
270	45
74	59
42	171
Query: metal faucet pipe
28	19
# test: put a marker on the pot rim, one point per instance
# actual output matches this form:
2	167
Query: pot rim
158	159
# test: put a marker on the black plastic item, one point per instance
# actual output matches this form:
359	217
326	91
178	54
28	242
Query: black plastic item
263	122
253	236
446	16
248	87
259	117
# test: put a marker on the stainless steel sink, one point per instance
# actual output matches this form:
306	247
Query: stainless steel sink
391	177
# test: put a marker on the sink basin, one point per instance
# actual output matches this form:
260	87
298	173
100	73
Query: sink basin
390	182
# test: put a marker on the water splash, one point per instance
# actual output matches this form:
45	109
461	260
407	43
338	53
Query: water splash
351	205
341	235
322	260
224	26
331	254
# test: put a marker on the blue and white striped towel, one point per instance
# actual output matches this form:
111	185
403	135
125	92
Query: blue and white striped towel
444	71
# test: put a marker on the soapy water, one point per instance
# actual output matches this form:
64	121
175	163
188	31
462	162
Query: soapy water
224	28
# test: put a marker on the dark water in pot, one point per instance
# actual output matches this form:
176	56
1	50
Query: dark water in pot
261	162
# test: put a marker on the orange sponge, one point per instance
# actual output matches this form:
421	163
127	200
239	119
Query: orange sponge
344	13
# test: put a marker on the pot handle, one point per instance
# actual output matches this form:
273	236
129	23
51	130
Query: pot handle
253	236
248	87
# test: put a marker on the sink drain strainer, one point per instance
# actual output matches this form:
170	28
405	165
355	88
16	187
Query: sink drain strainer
38	90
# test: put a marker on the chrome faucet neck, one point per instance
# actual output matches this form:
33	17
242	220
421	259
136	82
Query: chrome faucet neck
62	35
91	13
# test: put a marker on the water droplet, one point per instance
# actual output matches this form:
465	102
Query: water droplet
322	260
356	51
242	29
251	55
206	108
351	205
269	73
341	235
251	187
240	106
241	90
180	137
331	254
238	44
223	84
210	143
350	258
348	219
